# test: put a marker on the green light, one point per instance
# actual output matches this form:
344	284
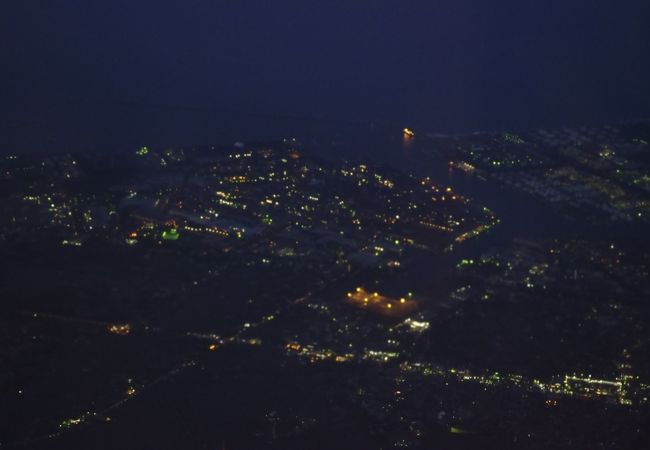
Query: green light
170	235
142	151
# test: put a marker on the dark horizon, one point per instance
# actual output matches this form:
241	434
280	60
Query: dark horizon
85	75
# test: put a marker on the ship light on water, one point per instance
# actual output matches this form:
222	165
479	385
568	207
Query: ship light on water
408	132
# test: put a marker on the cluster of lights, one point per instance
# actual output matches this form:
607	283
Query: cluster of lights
120	329
317	355
381	303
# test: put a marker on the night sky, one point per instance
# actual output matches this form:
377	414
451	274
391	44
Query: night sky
102	74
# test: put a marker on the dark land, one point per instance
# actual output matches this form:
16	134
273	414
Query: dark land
488	290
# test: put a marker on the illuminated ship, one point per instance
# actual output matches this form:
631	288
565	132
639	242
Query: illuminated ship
408	133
